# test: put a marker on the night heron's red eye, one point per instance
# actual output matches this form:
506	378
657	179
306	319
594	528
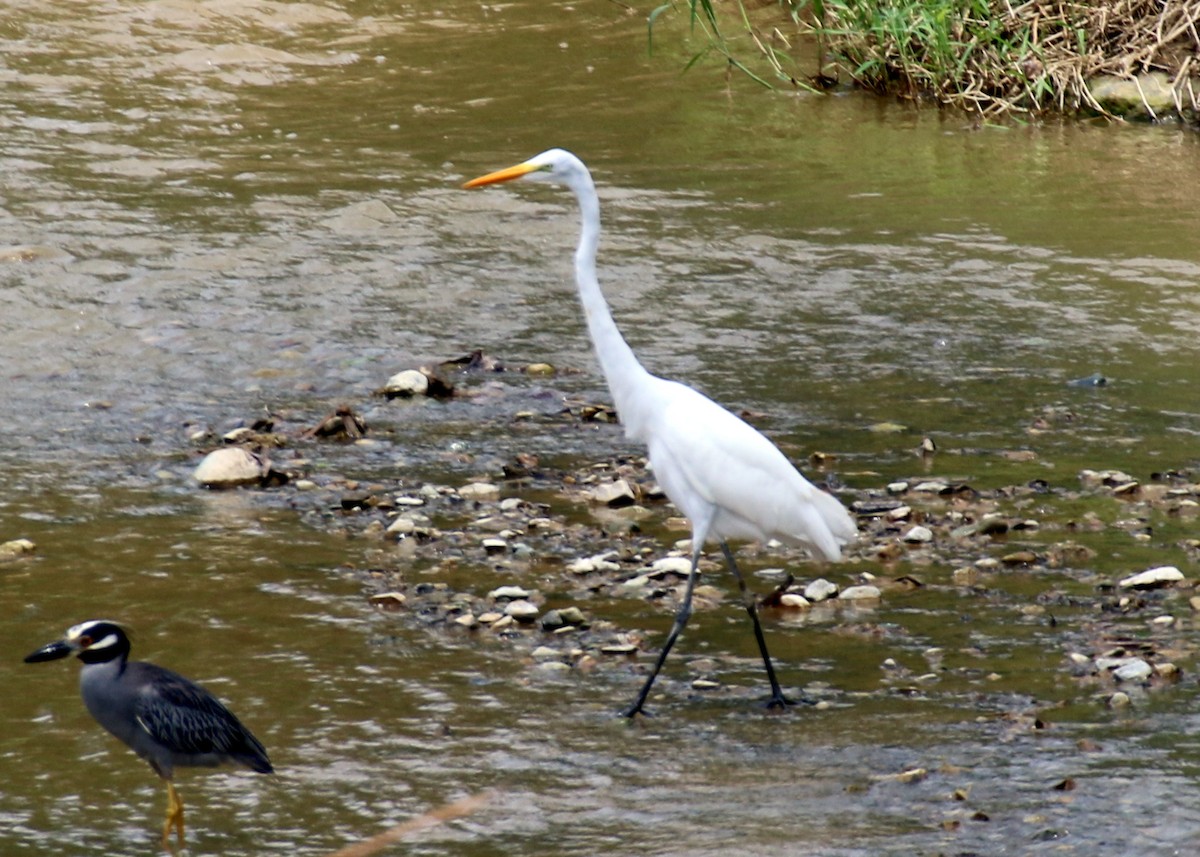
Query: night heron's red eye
85	641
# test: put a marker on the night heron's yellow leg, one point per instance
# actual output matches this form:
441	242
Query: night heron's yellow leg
174	816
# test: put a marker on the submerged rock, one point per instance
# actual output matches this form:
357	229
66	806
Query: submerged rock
361	217
613	494
1093	380
30	253
15	548
481	491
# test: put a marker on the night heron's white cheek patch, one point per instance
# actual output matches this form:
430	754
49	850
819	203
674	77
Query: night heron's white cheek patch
110	640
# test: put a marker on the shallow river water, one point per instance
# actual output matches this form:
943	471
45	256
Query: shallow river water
213	210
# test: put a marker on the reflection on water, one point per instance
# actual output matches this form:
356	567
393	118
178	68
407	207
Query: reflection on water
215	209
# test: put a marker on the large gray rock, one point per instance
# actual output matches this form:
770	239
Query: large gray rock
820	589
1153	578
231	466
1144	96
409	382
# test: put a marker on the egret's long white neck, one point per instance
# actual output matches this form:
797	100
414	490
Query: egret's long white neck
621	368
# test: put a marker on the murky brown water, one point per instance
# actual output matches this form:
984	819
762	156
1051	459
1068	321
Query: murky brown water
212	209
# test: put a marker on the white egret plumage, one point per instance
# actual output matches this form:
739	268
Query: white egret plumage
727	478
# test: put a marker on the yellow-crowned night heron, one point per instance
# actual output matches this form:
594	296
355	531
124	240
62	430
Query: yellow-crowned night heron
163	717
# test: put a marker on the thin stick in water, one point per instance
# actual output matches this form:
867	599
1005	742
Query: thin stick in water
446	812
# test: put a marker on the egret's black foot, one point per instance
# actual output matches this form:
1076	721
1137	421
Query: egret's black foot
634	711
780	701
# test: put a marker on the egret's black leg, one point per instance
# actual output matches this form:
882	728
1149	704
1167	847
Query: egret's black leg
681	619
777	700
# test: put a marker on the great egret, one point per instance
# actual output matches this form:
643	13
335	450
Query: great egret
726	477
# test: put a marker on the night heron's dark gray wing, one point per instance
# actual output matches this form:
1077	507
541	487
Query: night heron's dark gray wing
191	722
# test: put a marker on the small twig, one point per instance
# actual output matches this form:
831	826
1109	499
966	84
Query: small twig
446	812
1176	84
1145	103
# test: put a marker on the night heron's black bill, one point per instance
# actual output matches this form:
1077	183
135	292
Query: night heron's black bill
49	652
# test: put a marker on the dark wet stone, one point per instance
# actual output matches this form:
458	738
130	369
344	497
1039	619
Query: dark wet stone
342	424
476	361
993	527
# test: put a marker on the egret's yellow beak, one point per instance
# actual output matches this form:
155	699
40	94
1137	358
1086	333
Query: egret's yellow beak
505	175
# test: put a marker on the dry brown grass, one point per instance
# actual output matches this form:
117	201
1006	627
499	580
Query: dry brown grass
997	57
1123	38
